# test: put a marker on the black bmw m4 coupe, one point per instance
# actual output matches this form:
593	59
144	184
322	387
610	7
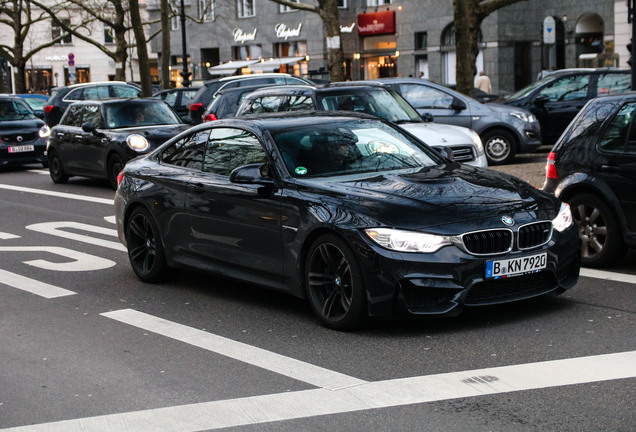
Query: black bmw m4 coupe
346	210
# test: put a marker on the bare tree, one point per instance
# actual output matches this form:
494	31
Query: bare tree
328	11
469	15
20	18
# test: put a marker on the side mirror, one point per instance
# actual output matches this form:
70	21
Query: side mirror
541	99
252	174
445	152
427	117
89	127
458	105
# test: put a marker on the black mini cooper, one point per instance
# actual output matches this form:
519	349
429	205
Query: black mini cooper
96	138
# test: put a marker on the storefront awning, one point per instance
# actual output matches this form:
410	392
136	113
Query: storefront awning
272	64
230	67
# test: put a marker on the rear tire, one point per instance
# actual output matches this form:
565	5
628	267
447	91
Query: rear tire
500	146
56	169
145	247
599	231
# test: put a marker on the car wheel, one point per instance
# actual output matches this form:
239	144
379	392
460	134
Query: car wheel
334	284
500	146
145	248
115	165
56	169
601	241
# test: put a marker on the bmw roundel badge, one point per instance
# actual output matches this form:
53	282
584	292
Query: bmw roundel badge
507	220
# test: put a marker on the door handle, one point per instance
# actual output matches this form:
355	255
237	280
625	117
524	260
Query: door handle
610	168
196	187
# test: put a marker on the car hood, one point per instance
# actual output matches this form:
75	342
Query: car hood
435	134
154	134
435	196
20	126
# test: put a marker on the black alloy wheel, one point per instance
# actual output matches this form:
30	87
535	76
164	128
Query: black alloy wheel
500	146
56	170
115	165
601	241
334	284
145	249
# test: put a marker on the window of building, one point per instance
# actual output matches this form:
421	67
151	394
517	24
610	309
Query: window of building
56	31
108	34
245	8
290	49
342	4
206	10
378	2
285	9
247	52
421	40
174	20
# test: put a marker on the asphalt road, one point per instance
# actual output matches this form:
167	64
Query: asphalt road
86	346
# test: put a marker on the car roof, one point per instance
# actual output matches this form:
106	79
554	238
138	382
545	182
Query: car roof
308	89
118	101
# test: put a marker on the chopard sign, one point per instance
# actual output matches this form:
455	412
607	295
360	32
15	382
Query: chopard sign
241	36
283	32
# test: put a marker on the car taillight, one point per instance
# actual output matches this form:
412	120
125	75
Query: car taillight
550	169
209	117
195	106
120	177
48	108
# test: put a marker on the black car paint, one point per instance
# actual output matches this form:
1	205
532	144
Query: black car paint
279	220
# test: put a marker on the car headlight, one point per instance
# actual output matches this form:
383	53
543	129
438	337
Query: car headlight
45	131
526	117
564	219
137	143
477	142
407	241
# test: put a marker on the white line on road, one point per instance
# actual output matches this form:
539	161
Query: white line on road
57	194
33	286
292	368
8	236
611	276
366	396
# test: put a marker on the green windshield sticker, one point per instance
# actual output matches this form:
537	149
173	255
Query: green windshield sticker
301	170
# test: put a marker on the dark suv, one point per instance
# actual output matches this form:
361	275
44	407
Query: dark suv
203	97
62	97
558	97
593	168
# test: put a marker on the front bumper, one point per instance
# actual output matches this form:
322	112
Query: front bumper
37	155
446	282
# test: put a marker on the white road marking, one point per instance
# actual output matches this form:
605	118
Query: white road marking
33	286
56	229
366	396
57	194
8	236
292	368
611	276
110	219
80	261
40	171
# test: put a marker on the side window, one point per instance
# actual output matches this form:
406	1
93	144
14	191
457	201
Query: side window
253	82
264	105
96	92
421	96
300	103
124	91
620	135
230	148
73	116
293	80
92	114
612	83
567	88
170	98
75	95
187	152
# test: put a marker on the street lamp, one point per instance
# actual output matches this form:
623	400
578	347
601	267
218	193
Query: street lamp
185	73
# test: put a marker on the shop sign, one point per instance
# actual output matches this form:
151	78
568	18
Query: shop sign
282	32
242	37
347	29
376	23
56	58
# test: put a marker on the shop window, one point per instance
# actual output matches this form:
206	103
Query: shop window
245	8
290	49
57	31
247	52
342	4
378	2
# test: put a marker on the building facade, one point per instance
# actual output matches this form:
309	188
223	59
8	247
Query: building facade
397	37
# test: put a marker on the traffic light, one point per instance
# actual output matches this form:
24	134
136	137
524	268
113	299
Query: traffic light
629	48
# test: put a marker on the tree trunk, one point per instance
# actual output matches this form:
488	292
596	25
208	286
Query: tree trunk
142	49
331	23
165	44
467	27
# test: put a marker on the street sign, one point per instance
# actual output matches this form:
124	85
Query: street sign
71	59
549	30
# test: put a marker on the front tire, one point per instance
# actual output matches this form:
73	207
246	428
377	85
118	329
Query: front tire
334	284
500	146
599	231
145	248
56	169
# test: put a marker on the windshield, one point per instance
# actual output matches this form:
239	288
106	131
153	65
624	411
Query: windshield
139	114
379	102
15	110
353	146
525	92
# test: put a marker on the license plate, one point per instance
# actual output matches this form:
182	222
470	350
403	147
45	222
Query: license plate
20	149
516	266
